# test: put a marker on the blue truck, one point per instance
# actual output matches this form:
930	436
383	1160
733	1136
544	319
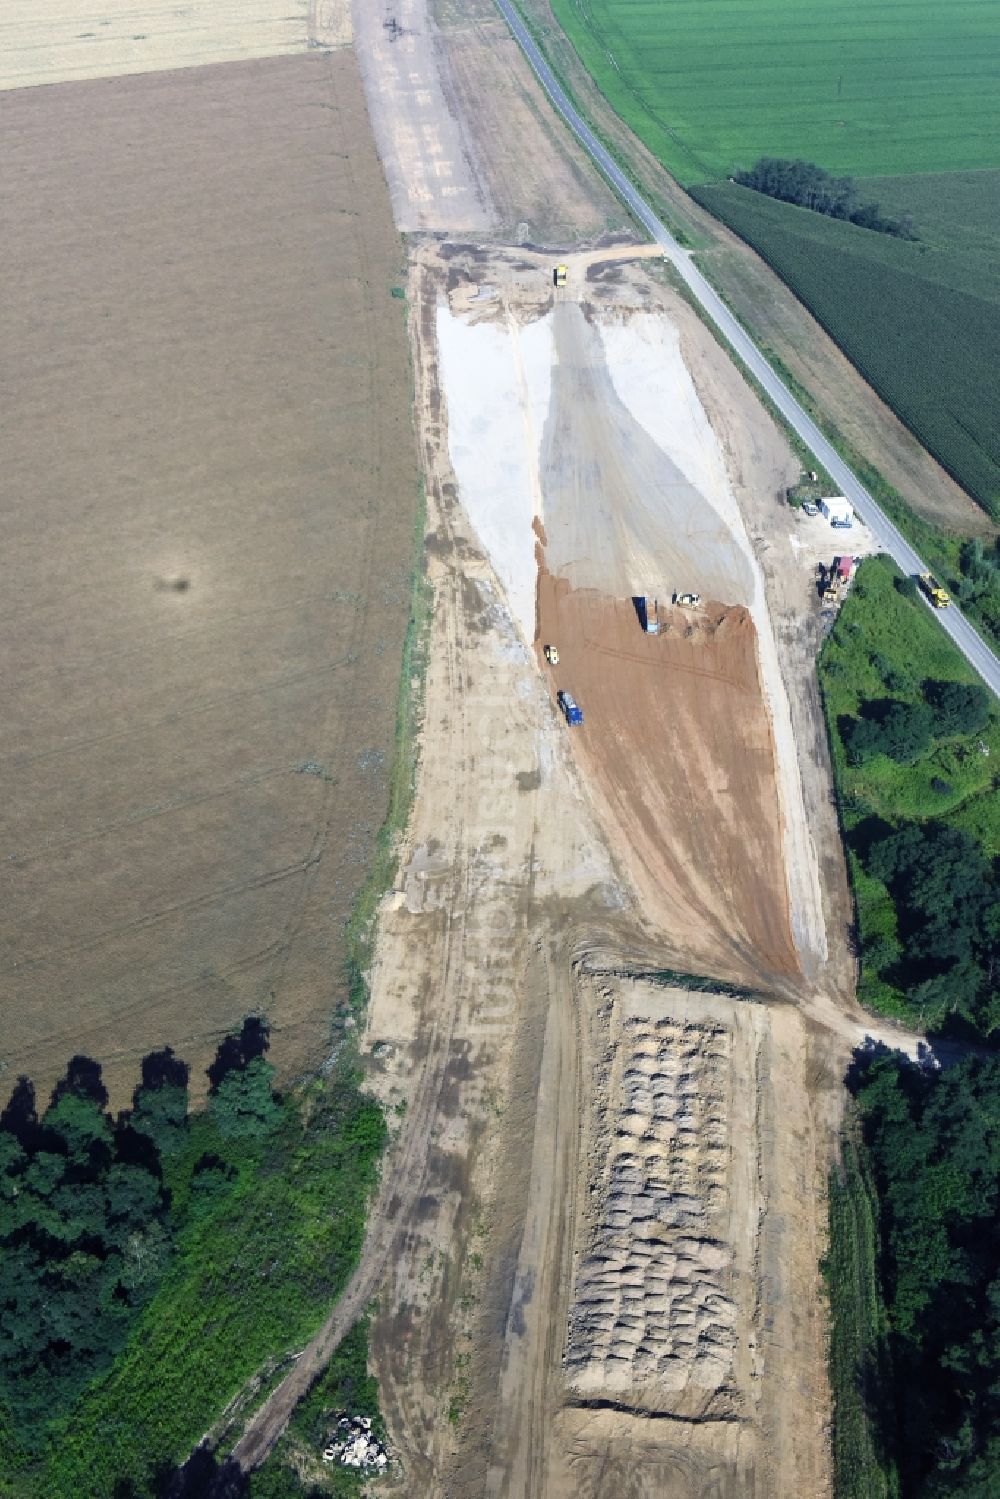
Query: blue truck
570	708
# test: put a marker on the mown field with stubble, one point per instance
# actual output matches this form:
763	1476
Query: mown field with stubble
208	532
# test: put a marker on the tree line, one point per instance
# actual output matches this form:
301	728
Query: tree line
87	1221
945	956
943	951
933	1146
809	186
978	582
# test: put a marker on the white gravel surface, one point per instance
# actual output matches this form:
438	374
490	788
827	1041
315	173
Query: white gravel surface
649	374
496	382
597	427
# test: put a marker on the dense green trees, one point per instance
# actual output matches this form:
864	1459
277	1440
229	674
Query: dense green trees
151	1262
958	707
905	730
933	1145
978	583
809	186
86	1228
914	1261
947	957
83	1236
243	1103
900	730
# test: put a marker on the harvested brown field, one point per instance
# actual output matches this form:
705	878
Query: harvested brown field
677	745
211	491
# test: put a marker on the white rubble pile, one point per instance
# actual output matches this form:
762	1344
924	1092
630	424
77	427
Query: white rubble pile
353	1445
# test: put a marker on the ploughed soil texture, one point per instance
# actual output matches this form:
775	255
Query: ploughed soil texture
208	539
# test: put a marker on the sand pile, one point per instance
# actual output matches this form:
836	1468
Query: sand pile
652	1320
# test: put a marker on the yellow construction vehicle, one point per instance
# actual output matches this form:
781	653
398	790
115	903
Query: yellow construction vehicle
939	597
559	275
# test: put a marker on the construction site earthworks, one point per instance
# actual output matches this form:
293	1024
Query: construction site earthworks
611	990
612	987
606	1270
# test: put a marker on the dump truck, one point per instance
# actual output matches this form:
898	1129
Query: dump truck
939	597
559	275
570	708
552	655
648	615
688	600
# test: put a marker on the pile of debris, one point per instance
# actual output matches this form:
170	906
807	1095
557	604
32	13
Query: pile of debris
353	1445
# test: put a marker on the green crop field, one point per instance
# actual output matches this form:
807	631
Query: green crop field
920	320
864	88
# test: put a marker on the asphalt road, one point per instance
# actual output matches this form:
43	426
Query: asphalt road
973	648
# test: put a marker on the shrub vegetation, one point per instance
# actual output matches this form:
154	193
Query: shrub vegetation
915	741
154	1261
809	186
345	1386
